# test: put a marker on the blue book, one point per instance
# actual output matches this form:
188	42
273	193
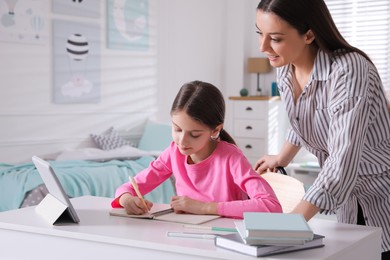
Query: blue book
276	225
281	241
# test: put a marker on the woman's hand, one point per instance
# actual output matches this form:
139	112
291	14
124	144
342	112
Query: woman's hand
133	205
182	204
267	163
270	162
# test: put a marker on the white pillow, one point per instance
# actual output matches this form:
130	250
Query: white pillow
95	154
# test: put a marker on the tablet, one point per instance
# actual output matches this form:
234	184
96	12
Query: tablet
56	190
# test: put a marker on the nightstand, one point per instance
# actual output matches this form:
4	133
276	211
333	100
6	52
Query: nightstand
304	172
257	125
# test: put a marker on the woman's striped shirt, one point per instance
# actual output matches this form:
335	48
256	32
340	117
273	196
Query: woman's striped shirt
343	119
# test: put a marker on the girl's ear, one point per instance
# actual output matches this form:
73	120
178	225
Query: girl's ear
217	130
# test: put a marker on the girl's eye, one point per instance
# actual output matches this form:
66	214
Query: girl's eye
195	136
275	39
258	32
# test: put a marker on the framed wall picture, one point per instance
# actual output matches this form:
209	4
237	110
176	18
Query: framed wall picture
128	27
23	21
76	48
83	8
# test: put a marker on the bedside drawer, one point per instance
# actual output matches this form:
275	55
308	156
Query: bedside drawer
250	109
251	147
250	128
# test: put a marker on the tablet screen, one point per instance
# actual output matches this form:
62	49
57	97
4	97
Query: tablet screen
54	186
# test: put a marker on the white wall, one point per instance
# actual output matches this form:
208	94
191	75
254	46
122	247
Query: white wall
190	46
190	39
31	123
209	41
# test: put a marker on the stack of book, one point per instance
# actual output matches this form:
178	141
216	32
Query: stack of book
261	234
274	229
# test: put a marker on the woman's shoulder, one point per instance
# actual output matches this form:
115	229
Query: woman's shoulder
349	59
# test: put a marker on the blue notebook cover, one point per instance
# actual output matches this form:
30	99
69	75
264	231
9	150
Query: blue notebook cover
266	240
286	225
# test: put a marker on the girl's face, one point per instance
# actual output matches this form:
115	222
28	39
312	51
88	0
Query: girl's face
192	137
280	41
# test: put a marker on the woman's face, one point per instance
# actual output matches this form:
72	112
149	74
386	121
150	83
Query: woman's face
191	137
279	40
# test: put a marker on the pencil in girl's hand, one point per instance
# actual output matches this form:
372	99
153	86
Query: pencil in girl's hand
135	186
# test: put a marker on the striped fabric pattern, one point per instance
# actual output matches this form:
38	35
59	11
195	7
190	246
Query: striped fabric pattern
109	140
343	119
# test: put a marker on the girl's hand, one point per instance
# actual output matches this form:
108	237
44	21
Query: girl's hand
182	204
133	205
267	163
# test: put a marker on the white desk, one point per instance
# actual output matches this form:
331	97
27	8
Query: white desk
25	235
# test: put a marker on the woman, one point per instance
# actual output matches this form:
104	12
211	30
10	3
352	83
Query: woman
337	109
212	176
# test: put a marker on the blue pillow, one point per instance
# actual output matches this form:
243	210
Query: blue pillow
156	136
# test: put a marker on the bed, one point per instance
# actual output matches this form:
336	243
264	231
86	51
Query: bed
95	171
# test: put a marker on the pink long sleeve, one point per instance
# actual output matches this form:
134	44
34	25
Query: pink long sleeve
225	177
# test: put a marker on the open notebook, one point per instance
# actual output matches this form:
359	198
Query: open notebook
164	212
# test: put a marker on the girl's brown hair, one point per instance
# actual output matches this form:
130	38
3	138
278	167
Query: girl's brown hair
204	103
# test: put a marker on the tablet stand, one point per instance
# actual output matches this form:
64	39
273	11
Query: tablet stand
53	210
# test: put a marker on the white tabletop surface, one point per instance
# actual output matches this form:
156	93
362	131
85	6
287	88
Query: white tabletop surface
114	236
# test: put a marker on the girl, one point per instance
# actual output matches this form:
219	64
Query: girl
212	175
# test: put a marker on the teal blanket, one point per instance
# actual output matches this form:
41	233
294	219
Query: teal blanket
79	178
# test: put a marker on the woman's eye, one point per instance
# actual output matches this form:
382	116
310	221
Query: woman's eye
195	136
275	40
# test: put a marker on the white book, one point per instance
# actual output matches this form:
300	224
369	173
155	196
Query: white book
164	212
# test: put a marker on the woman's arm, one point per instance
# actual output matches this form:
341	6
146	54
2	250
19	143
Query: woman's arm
305	208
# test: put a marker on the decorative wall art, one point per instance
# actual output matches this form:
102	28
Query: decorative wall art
76	49
128	27
22	21
83	8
